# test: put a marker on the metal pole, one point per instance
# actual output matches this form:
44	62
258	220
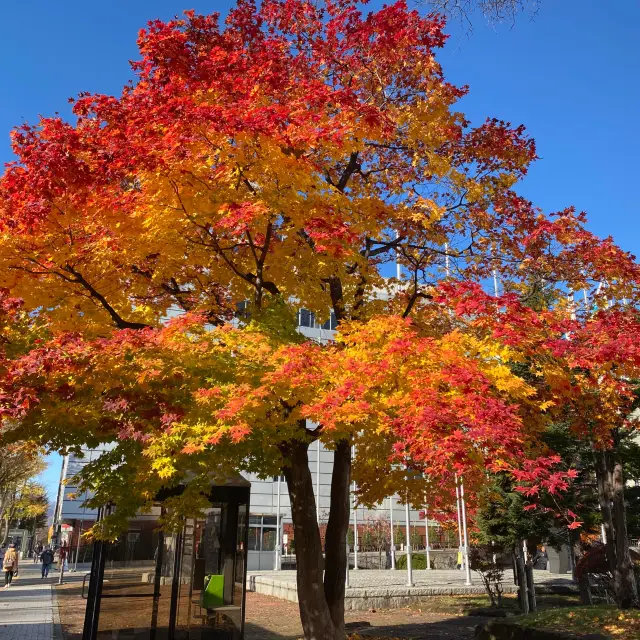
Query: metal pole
75	564
446	259
393	545
346	579
355	518
318	479
426	529
459	520
62	561
355	531
278	527
464	533
408	526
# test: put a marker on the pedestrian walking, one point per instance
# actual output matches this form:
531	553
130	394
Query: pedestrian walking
47	560
63	554
3	551
10	565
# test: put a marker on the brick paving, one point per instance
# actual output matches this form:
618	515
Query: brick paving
26	607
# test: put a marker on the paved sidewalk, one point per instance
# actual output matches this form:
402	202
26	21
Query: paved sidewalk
26	607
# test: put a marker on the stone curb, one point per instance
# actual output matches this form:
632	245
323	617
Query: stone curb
389	597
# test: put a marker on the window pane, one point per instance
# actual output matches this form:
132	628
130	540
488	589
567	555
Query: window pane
305	318
268	540
254	538
270	520
255	520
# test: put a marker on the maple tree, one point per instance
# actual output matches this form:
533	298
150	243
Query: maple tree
587	359
284	160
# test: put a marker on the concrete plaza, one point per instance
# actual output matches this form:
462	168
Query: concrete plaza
386	589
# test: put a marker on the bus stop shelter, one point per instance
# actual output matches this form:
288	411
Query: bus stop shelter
188	585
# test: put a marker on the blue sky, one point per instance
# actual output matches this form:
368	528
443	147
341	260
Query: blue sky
570	75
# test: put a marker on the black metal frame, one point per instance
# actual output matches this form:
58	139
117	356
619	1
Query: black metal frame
235	495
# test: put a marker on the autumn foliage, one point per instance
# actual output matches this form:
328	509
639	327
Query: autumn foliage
286	160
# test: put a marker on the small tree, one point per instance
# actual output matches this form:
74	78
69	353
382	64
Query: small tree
492	574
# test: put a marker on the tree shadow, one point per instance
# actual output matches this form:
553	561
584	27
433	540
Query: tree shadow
461	628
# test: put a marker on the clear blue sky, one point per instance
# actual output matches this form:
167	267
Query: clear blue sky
570	75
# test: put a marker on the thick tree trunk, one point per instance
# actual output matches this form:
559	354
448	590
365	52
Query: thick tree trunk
315	614
603	481
336	535
624	581
610	481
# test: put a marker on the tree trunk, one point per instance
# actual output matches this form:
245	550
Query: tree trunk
610	481
603	481
583	579
336	535
521	579
315	614
624	581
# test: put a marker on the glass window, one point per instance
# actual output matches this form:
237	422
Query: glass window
270	521
254	538
306	318
268	539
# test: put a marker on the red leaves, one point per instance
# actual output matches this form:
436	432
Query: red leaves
497	146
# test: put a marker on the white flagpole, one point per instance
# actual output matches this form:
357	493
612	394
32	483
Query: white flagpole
426	530
464	533
393	545
318	480
408	530
278	527
355	519
355	531
459	519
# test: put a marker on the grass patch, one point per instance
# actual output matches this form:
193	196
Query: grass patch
605	619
